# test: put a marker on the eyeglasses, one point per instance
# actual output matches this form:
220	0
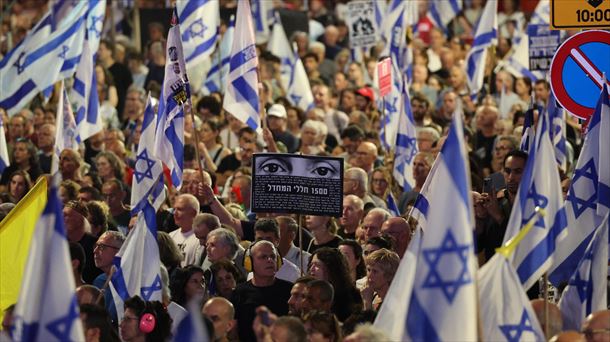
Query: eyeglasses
590	332
125	318
379	181
102	246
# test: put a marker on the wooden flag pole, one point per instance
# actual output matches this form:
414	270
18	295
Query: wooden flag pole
196	143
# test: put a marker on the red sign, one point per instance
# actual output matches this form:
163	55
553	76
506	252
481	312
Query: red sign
577	69
384	70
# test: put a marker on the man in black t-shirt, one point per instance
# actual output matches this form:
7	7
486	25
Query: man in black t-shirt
263	289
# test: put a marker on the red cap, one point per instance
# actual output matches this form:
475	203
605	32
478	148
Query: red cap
366	92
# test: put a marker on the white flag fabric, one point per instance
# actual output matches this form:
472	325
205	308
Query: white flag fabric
216	77
588	199
542	13
65	131
558	131
443	305
137	264
200	21
262	13
96	14
381	12
299	91
506	312
5	161
587	289
39	61
175	95
241	96
148	170
191	327
540	187
280	46
443	11
47	309
518	62
84	94
485	35
406	142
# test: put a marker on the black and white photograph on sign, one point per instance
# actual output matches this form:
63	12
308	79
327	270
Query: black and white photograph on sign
361	23
286	183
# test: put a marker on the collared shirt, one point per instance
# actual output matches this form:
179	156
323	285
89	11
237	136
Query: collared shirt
294	256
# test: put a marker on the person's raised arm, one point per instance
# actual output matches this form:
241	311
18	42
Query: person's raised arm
219	210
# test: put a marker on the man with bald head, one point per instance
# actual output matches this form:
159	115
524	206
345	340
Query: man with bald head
596	327
366	155
356	182
555	317
398	228
353	211
222	314
569	336
373	221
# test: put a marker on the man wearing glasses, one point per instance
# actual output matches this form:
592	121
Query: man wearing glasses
106	247
597	326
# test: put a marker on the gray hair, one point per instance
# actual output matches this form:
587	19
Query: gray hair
380	211
429	130
211	221
191	201
116	236
359	175
226	237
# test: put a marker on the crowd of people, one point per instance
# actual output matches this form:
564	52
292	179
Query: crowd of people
271	276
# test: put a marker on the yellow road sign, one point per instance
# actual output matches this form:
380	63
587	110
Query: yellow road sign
580	14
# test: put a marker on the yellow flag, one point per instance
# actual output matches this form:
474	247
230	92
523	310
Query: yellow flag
16	231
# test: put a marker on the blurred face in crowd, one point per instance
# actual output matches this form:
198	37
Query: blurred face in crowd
379	184
366	153
74	222
348	100
217	249
449	104
219	313
421	168
21	154
195	286
68	163
351	213
321	96
129	328
184	214
225	283
419	109
16	127
348	253
298	294
501	149
264	260
376	278
372	224
513	170
113	195
17	186
308	136
340	81
105	250
313	222
541	92
46	137
104	168
317	269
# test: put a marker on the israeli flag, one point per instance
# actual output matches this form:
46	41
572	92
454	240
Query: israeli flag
528	134
392	207
542	13
191	327
280	46
262	13
518	61
137	264
443	305
421	207
200	20
406	142
441	12
558	132
47	309
588	199
587	291
38	62
148	170
175	94
241	96
506	312
5	161
388	15
381	12
95	18
217	75
486	32
539	187
84	95
65	131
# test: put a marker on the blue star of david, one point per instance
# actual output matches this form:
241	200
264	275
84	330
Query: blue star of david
582	285
197	28
147	173
435	279
513	332
93	28
580	205
296	99
62	326
391	107
539	201
19	63
148	291
411	150
64	51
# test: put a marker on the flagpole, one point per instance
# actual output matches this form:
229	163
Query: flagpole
196	142
545	291
105	287
219	58
492	56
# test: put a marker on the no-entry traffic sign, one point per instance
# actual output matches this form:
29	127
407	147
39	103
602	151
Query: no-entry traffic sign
577	71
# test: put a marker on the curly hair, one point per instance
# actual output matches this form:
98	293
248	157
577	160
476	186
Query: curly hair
178	282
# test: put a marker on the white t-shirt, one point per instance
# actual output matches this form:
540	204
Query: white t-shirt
288	272
187	243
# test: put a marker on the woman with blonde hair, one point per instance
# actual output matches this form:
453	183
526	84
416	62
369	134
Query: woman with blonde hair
324	231
381	266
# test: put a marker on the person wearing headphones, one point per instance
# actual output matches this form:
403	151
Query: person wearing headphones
263	260
144	321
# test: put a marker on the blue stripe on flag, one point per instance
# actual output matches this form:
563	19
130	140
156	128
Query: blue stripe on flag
191	6
247	93
421	203
241	57
14	99
53	44
70	63
118	280
418	324
539	254
455	6
603	194
484	38
79	87
457	162
252	123
201	48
